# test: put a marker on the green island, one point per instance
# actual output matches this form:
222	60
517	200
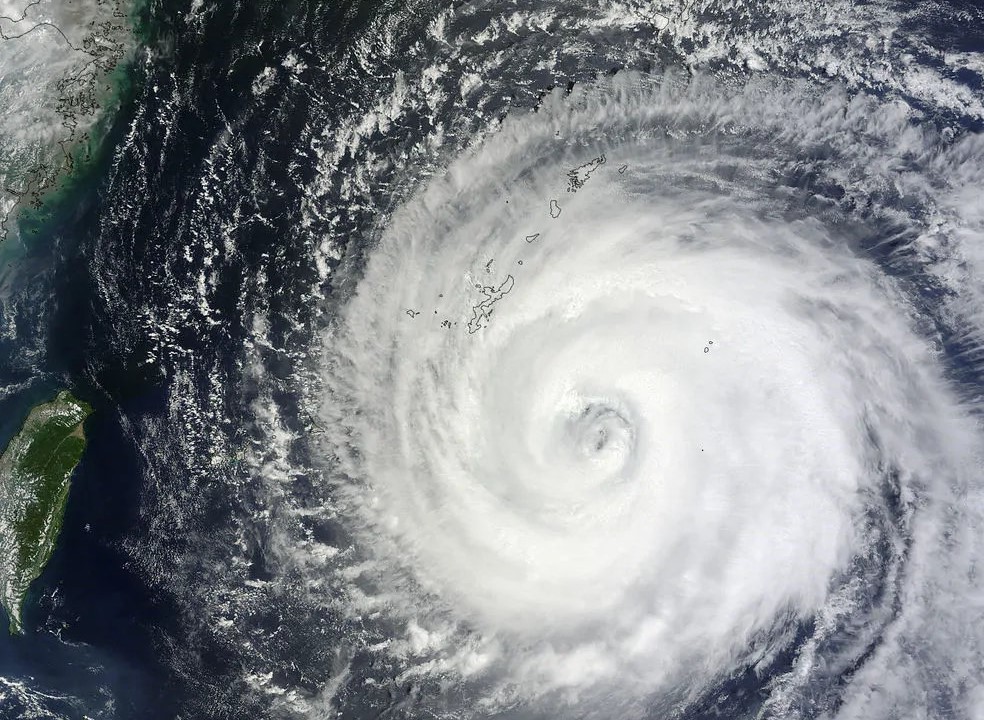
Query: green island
35	473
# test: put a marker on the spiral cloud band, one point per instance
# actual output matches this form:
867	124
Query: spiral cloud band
627	403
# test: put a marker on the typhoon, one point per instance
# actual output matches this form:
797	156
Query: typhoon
699	419
603	360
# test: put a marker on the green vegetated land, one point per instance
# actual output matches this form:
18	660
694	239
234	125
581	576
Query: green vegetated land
35	473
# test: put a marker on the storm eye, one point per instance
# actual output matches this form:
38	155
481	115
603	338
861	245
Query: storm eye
598	429
601	437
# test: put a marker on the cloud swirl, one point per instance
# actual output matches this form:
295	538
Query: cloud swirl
635	399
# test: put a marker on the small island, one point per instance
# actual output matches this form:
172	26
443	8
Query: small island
35	473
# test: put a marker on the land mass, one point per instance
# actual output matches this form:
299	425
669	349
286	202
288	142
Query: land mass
58	86
35	474
482	313
577	177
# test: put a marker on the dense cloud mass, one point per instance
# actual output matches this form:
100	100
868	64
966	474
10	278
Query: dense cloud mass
696	418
